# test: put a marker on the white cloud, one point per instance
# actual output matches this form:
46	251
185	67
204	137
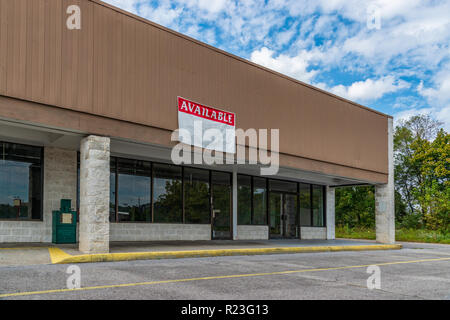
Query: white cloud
213	6
369	89
444	116
295	67
285	36
440	93
127	5
164	15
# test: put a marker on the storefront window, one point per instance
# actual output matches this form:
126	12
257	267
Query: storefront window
196	196
167	195
305	204
174	186
244	199
259	201
317	199
21	181
134	190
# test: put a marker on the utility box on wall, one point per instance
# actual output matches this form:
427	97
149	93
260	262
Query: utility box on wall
64	223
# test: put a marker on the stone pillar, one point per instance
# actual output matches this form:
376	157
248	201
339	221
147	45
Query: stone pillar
235	205
331	217
385	197
94	194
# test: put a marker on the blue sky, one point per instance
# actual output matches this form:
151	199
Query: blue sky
390	55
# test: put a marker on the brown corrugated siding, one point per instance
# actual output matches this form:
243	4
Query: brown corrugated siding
31	112
121	67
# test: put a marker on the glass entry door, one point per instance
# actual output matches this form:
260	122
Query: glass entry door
290	221
283	215
275	214
221	205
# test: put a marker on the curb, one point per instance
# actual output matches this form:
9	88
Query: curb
60	257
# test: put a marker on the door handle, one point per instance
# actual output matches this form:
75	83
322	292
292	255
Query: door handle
214	212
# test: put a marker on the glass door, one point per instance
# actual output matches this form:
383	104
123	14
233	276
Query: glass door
221	205
290	221
275	214
283	215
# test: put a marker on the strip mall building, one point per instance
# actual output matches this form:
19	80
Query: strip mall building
87	114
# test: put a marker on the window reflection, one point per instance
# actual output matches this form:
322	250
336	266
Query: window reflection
20	176
259	201
305	204
167	195
221	193
244	200
318	206
196	196
134	183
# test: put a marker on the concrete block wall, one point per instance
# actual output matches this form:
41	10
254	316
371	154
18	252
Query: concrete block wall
158	231
23	231
252	232
309	233
60	182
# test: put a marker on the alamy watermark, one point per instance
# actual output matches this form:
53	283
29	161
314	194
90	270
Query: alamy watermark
212	139
74	280
373	17
73	22
374	280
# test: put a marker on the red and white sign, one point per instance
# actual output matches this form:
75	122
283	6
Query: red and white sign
208	127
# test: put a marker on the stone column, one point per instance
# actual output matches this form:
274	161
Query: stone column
385	197
331	217
235	205
94	194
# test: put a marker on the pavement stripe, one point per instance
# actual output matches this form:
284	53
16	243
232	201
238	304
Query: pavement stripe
57	254
214	278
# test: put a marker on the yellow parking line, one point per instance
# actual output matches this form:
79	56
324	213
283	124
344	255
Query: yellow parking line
213	278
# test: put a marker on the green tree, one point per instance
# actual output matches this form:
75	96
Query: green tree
433	195
410	137
355	206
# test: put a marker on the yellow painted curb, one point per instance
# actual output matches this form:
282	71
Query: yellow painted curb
60	257
57	254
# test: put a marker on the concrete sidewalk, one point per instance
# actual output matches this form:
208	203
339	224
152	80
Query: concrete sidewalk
37	253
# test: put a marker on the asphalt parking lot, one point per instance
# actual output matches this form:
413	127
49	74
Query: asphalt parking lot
419	271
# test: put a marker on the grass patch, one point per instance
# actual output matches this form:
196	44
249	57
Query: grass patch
413	235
